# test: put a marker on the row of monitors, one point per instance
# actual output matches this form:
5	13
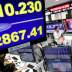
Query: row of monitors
26	54
66	24
63	53
57	50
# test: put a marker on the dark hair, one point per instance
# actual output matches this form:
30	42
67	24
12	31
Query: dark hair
56	27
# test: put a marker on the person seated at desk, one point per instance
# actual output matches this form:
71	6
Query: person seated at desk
58	36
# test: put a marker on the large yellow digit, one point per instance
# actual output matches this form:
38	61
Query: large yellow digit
23	8
1	11
9	9
40	30
15	37
38	6
31	5
23	34
1	42
33	32
6	39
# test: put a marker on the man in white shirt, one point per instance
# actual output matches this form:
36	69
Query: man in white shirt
57	34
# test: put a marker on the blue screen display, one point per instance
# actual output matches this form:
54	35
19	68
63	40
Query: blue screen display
21	21
50	26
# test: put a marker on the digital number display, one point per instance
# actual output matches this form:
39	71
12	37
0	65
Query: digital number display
21	21
10	10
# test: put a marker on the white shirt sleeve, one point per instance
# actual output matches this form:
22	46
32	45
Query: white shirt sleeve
57	35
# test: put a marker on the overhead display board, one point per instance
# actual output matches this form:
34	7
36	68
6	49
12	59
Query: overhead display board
50	26
62	7
51	3
21	21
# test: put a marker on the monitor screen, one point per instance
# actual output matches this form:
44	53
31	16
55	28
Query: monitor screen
50	26
21	21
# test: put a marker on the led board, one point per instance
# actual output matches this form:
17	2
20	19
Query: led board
51	3
50	26
21	21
